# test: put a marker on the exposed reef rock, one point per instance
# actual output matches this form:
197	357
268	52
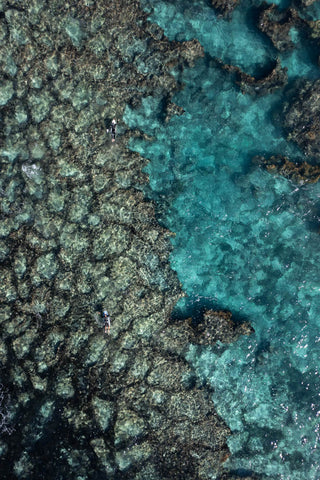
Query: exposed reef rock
225	7
298	172
77	236
301	117
271	81
277	24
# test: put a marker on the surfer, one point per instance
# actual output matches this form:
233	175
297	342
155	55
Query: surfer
106	322
113	130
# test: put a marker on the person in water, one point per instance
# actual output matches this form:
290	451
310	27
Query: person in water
113	130
106	322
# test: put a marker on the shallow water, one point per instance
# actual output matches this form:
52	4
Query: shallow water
77	237
245	240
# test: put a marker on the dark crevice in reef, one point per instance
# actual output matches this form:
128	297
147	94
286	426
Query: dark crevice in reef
77	235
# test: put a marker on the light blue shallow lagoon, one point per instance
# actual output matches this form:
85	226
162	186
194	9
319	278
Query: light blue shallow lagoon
245	240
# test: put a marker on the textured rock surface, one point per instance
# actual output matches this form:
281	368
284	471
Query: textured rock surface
77	236
277	25
298	172
301	117
268	83
219	326
307	3
225	7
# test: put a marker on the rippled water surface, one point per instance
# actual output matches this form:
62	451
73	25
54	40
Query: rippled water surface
245	240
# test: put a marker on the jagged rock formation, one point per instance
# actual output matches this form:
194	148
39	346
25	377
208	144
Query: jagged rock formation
298	172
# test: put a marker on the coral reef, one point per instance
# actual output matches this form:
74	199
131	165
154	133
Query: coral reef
314	29
225	7
301	117
307	3
298	172
77	235
268	83
173	109
219	326
5	416
277	25
283	26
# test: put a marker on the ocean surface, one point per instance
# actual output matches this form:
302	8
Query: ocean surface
246	241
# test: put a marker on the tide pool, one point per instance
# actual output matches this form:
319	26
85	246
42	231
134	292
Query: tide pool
245	240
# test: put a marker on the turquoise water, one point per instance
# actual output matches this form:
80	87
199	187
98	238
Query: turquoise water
236	41
245	240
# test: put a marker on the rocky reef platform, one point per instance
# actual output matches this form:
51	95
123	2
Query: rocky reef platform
77	236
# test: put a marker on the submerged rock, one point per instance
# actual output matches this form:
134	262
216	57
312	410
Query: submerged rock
74	31
301	117
313	32
277	25
77	237
225	7
298	172
275	78
6	92
219	326
103	410
133	456
104	455
172	109
307	3
128	426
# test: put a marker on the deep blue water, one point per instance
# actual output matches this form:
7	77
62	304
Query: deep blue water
245	240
